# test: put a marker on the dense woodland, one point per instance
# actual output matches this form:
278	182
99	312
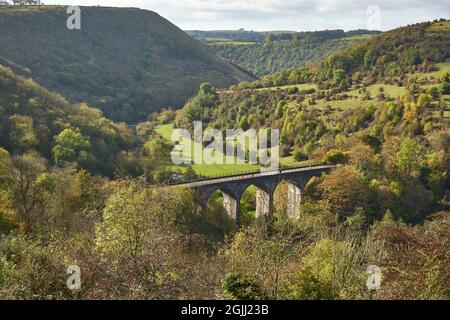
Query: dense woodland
281	51
378	59
78	188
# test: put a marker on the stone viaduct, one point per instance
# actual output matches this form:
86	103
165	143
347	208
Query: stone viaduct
233	187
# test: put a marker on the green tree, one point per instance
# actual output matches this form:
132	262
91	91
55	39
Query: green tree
333	270
370	58
423	101
7	212
239	287
197	108
259	259
243	124
31	186
335	157
155	155
23	136
444	88
410	157
71	146
445	77
433	92
141	242
339	76
300	156
345	189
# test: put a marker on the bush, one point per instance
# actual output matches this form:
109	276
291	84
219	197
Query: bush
335	157
300	156
444	88
239	287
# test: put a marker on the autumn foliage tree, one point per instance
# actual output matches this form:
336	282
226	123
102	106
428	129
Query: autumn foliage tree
346	190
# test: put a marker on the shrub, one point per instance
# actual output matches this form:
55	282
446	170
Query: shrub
335	157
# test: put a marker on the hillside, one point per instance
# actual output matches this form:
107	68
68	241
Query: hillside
127	62
265	53
382	107
33	119
385	57
385	68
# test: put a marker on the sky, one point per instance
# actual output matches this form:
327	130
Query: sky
292	15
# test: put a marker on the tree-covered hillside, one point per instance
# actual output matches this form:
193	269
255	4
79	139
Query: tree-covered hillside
385	57
127	62
282	50
382	108
33	120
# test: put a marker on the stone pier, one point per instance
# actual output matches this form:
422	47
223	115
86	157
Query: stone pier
232	207
264	202
294	200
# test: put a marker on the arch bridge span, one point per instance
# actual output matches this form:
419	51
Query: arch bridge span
233	188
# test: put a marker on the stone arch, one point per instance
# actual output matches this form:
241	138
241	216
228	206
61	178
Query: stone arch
292	195
231	199
248	201
263	200
296	187
202	195
307	178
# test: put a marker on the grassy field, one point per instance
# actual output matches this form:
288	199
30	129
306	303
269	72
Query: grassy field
205	169
217	40
388	89
231	43
165	130
345	104
216	170
442	68
305	86
355	101
359	37
440	26
291	162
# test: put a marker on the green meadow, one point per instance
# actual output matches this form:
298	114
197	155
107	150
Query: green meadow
216	170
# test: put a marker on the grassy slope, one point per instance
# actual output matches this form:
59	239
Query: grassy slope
166	131
354	99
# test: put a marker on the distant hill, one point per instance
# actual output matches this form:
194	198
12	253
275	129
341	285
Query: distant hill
402	63
265	53
127	62
407	50
238	35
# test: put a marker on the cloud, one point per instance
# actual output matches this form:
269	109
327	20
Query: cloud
283	14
